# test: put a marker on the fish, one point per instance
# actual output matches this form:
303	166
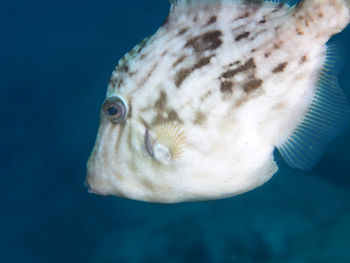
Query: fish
196	111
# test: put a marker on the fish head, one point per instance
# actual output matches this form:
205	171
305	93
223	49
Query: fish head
171	138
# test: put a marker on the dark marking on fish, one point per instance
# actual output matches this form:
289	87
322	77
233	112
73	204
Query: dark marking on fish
280	68
303	59
211	20
125	68
262	21
179	60
235	63
277	45
232	72
267	54
183	73
200	118
121	82
129	108
182	31
150	73
173	116
206	95
161	101
241	36
132	73
202	62
245	15
143	56
142	44
299	31
226	86
112	82
252	85
208	41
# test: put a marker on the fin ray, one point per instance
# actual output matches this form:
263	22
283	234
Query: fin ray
327	116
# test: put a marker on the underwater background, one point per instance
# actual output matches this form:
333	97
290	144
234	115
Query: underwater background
56	60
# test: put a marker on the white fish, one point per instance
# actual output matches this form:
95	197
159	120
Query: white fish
195	111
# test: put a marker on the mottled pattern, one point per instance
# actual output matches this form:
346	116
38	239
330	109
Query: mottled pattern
234	77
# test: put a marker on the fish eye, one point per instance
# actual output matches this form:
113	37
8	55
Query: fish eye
115	109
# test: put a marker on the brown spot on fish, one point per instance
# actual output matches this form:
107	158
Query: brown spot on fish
241	36
252	85
202	62
179	60
161	101
245	15
208	41
132	73
121	83
143	56
129	109
211	20
200	118
112	82
183	73
279	106
277	45
263	21
267	54
303	59
173	116
206	95
299	31
226	87
182	31
124	68
149	73
280	67
232	72
235	63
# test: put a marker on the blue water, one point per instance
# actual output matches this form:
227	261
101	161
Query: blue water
55	61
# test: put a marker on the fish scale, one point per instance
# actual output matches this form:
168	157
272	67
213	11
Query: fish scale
213	92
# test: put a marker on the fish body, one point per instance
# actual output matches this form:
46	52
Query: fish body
195	111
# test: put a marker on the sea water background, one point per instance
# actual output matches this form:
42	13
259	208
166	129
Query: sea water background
56	59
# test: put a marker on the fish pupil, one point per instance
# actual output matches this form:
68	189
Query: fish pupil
113	111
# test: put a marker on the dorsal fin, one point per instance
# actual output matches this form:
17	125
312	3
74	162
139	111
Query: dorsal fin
277	2
327	116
